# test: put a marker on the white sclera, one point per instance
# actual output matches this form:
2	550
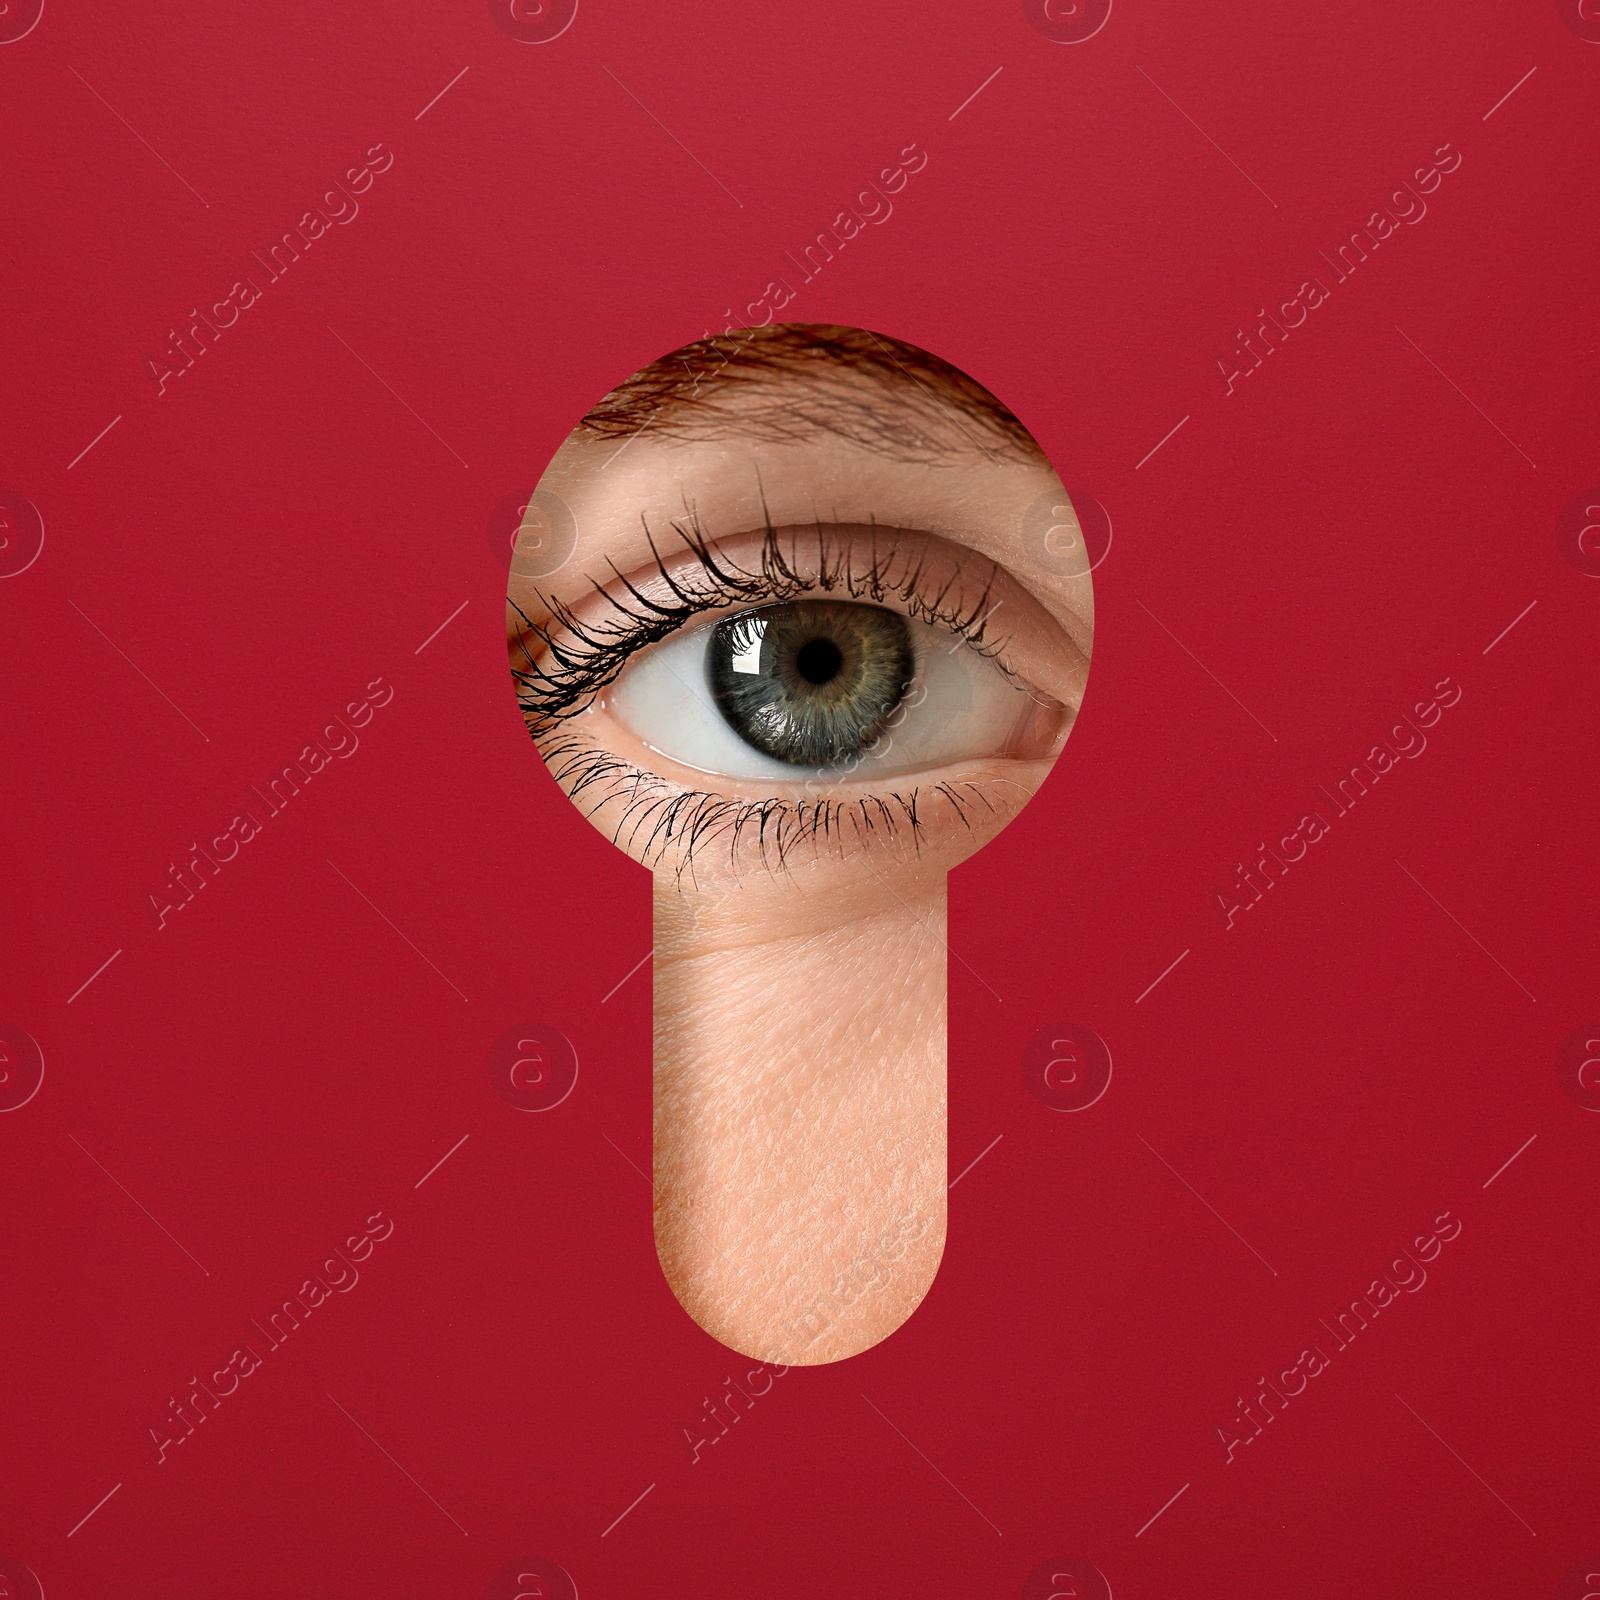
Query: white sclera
960	707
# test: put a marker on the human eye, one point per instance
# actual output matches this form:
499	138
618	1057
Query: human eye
822	689
826	687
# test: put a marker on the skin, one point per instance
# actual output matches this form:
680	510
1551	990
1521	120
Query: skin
800	1159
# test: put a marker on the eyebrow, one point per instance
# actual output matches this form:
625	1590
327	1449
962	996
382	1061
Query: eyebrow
795	382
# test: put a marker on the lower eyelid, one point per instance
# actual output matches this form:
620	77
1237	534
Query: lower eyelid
660	819
599	735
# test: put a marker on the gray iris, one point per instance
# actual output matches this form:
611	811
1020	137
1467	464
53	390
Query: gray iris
810	683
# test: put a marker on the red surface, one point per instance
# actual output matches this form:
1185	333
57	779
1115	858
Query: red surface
299	1047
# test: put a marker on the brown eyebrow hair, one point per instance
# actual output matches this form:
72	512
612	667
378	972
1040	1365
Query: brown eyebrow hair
793	381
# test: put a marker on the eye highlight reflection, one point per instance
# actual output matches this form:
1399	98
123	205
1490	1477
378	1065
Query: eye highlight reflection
810	684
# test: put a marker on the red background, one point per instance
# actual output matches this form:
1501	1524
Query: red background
278	1062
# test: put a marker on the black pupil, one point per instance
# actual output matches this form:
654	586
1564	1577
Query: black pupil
819	660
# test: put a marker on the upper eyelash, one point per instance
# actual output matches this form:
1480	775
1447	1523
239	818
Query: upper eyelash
581	656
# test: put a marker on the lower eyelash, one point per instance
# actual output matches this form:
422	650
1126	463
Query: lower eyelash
581	657
693	820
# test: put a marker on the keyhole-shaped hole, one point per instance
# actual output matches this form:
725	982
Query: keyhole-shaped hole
821	628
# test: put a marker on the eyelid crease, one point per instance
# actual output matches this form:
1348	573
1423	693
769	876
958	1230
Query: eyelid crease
581	654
